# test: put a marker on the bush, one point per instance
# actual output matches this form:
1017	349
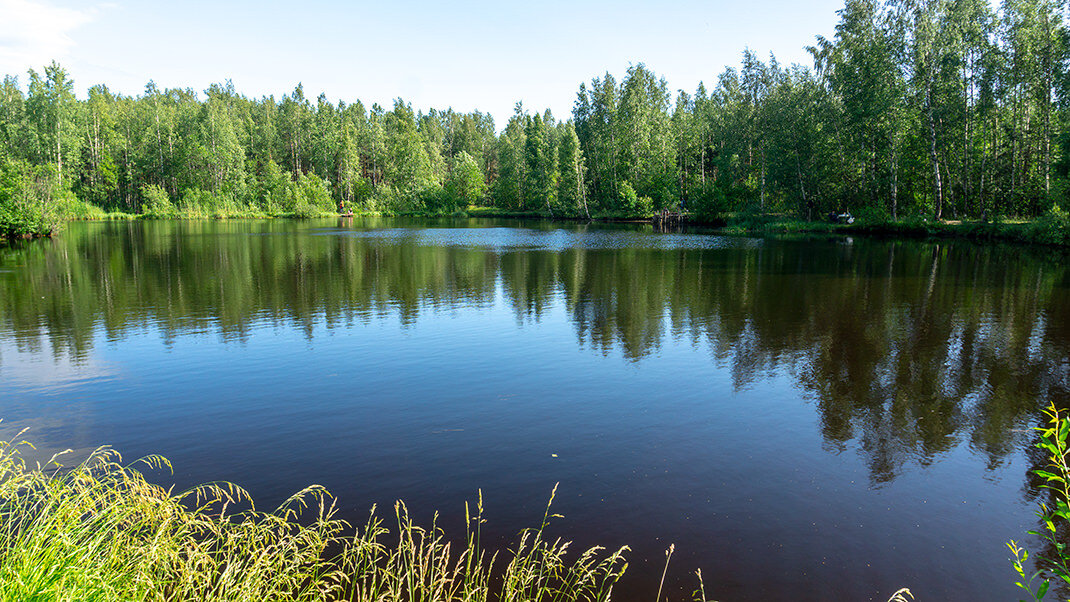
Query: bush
664	193
1056	518
709	203
196	203
1052	228
32	201
430	198
272	189
155	202
628	198
79	209
633	204
465	185
435	199
872	216
750	218
310	196
386	199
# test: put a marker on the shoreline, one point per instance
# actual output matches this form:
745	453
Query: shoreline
1037	232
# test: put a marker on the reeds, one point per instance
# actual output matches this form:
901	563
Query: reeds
100	531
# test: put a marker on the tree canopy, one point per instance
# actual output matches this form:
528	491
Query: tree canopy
913	108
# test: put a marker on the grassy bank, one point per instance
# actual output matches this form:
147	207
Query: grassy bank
1052	229
1046	230
604	216
93	213
100	531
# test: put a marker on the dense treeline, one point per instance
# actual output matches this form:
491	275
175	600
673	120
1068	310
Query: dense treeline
914	108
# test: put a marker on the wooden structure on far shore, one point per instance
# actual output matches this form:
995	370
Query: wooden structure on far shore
668	219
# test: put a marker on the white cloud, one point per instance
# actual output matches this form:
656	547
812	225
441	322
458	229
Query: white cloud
33	33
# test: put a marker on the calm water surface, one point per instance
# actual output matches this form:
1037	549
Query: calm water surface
805	420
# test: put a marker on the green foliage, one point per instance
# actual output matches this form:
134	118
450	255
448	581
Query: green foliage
1056	517
646	157
77	209
934	108
708	203
572	189
465	185
750	219
51	108
155	202
632	204
1053	228
196	203
540	158
433	199
409	163
388	199
309	196
870	216
100	531
272	189
510	189
33	202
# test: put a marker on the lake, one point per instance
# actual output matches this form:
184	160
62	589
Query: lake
805	419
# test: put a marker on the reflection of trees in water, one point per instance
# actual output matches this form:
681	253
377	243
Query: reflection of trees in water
907	348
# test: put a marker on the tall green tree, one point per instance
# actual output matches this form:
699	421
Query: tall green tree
571	186
53	109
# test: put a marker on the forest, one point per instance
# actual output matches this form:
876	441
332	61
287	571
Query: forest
912	110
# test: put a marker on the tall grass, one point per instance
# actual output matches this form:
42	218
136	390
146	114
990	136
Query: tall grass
100	531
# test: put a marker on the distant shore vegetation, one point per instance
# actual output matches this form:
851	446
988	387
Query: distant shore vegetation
913	111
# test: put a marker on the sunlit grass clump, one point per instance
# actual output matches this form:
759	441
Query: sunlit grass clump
100	531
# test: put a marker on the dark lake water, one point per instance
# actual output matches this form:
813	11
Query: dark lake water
803	419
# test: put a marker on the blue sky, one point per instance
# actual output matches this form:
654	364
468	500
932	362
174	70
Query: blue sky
465	54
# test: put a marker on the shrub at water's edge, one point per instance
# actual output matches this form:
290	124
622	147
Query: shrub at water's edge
1053	565
33	200
100	531
1051	229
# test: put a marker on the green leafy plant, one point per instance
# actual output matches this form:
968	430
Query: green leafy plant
32	200
155	202
1055	518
